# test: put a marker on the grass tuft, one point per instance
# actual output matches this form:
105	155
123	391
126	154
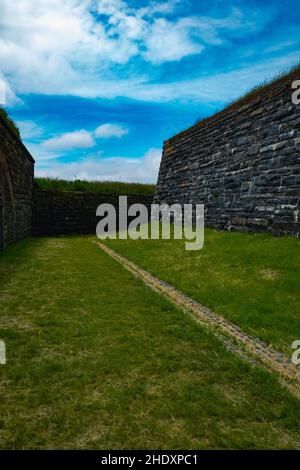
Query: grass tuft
261	87
255	91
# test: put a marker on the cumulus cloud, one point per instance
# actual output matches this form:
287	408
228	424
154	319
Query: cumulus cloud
110	130
143	169
168	42
79	139
70	141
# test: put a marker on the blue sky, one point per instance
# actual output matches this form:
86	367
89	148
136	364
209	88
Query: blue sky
96	86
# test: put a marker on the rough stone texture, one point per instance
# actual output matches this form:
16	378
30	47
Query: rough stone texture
73	212
243	164
16	183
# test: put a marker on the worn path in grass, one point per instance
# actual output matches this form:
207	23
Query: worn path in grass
95	359
252	280
258	350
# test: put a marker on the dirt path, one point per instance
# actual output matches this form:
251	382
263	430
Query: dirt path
234	338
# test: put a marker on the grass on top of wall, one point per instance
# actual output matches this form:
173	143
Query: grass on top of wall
256	91
9	122
116	187
261	87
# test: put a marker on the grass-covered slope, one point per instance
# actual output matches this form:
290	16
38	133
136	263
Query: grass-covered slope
97	360
260	88
94	186
251	279
9	122
292	73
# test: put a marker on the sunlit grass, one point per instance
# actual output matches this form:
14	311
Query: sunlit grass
97	360
95	186
251	279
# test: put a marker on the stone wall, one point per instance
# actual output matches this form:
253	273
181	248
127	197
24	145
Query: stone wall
16	182
242	163
73	212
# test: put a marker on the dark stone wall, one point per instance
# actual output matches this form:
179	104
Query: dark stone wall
242	163
16	183
73	212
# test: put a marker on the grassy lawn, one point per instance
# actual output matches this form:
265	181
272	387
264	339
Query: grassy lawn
115	187
251	279
96	360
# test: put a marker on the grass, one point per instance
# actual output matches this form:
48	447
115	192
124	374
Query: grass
95	186
254	92
10	123
97	360
263	86
251	279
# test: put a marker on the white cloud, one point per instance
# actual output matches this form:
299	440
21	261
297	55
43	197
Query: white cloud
218	88
7	96
41	154
110	130
168	42
154	8
29	129
80	139
55	47
2	92
281	45
143	169
70	141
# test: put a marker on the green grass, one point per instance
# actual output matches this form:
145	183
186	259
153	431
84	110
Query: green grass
97	360
256	91
263	86
10	123
95	186
251	279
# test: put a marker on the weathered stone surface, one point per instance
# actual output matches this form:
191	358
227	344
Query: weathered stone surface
243	164
16	182
73	212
